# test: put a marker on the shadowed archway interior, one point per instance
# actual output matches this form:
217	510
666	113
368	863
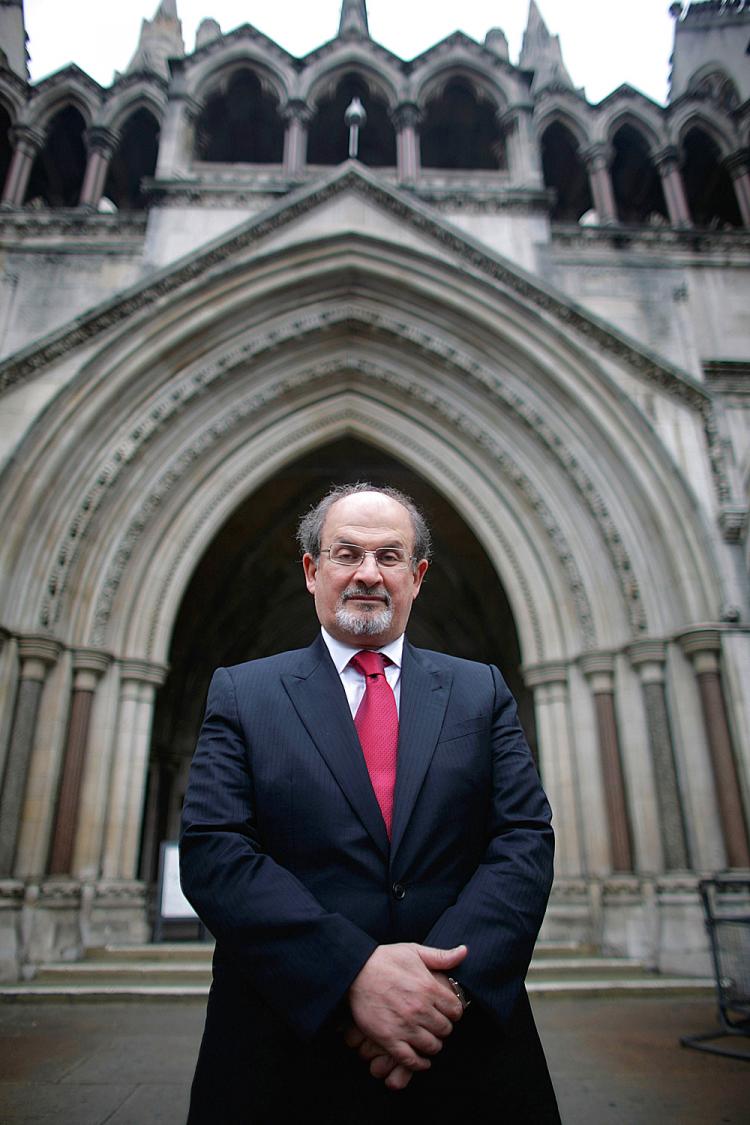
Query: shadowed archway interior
247	599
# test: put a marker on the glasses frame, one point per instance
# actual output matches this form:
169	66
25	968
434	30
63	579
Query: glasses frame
407	564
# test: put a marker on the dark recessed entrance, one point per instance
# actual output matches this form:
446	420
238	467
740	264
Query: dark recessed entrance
247	599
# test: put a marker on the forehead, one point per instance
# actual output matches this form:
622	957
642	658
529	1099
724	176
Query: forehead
368	514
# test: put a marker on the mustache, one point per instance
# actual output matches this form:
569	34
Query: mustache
357	590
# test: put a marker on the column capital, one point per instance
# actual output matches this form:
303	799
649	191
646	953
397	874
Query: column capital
597	155
89	665
37	653
702	645
551	672
405	115
143	671
102	140
599	670
27	139
508	116
668	155
738	162
648	651
296	109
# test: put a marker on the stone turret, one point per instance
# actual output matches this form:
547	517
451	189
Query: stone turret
161	39
353	23
541	52
13	54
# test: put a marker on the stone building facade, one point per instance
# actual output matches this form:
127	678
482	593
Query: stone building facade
528	310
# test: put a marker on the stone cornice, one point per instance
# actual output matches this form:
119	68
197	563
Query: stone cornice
82	227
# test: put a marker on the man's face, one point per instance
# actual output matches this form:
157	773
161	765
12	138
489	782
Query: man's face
365	605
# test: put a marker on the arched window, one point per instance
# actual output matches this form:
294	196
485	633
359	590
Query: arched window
57	174
240	124
565	173
461	132
6	150
635	180
707	183
328	140
133	160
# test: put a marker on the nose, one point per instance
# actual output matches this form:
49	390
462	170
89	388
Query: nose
368	571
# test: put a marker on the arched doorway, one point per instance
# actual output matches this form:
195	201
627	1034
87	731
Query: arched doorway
247	599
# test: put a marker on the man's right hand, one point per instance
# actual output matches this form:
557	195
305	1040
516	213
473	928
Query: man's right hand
403	1007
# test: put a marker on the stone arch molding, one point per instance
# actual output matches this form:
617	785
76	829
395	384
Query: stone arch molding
475	434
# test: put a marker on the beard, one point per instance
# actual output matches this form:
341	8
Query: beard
367	620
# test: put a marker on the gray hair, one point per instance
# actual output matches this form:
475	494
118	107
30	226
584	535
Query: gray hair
311	525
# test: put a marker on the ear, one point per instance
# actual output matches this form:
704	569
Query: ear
419	573
310	567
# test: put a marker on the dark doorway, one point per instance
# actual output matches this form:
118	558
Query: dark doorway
247	599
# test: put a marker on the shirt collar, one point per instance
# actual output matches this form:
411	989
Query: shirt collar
342	653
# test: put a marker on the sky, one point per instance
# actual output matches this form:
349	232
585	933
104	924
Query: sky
604	42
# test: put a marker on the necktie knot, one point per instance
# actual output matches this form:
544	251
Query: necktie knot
369	663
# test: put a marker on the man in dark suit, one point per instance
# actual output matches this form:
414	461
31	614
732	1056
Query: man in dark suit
365	834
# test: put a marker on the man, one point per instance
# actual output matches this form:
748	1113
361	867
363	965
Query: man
367	839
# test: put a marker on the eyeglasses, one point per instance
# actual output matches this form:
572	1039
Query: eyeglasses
349	554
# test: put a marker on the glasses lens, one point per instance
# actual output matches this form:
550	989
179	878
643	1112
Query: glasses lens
348	554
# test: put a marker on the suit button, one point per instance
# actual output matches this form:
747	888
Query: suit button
399	891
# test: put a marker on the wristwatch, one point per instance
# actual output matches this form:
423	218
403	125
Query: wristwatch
465	1001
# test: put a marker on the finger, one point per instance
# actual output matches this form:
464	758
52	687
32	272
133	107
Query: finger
441	960
369	1049
399	1078
382	1065
404	1054
353	1037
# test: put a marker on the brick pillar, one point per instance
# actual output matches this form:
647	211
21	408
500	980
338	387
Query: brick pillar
557	760
297	116
88	666
648	657
597	158
406	119
101	144
36	654
703	647
598	667
26	144
738	165
667	163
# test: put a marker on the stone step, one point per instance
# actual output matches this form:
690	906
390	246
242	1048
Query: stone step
154	951
113	972
555	967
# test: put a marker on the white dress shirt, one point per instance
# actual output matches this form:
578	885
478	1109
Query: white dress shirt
354	681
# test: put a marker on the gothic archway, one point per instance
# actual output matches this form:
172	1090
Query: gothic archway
246	599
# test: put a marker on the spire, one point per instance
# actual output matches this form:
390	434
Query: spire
541	52
161	39
353	22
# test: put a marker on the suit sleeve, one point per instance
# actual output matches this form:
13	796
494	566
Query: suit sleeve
500	909
299	957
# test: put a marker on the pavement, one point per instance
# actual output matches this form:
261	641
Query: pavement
614	1061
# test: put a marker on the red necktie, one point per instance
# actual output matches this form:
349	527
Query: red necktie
377	726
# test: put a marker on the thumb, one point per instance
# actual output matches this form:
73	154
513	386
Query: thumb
440	960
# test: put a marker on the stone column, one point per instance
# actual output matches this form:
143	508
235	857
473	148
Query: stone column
597	158
139	681
524	163
176	132
36	655
406	118
738	165
101	144
26	144
88	666
599	668
297	116
649	658
556	760
703	646
667	163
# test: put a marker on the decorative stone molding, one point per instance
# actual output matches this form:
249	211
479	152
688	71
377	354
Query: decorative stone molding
649	651
599	669
89	665
37	653
98	232
175	395
539	675
143	672
733	522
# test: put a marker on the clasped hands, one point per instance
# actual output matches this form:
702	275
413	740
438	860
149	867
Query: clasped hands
403	1007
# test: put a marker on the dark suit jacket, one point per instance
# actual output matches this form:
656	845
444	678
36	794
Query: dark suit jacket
285	857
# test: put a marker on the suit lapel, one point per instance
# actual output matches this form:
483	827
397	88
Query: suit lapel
425	690
319	698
